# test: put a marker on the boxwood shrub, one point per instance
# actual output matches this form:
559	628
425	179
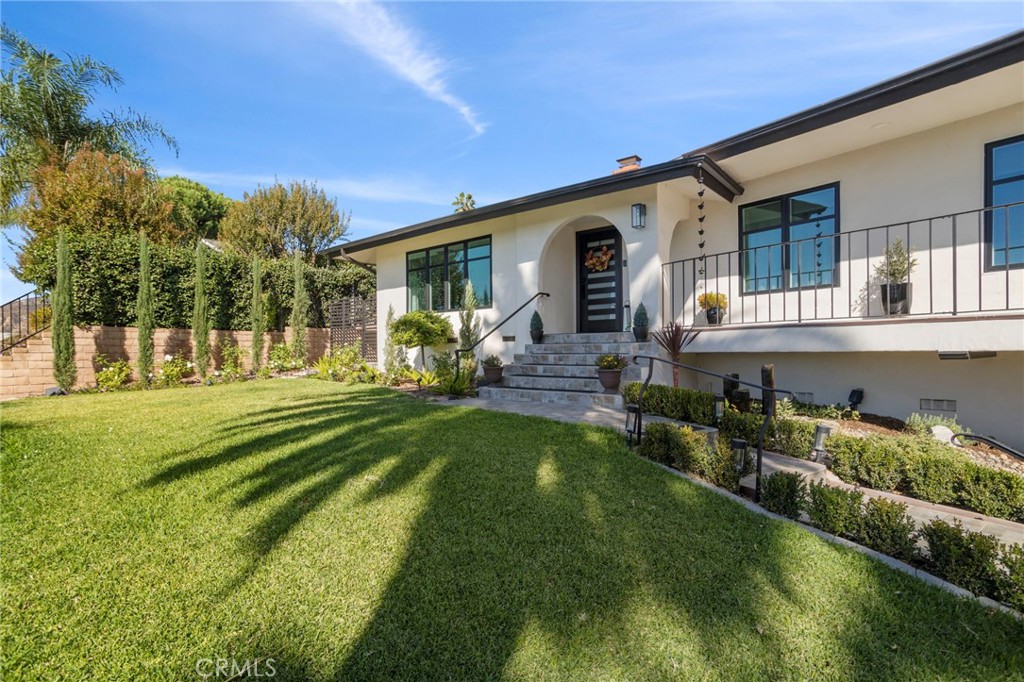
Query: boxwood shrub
964	558
661	443
927	470
888	528
785	493
683	404
835	510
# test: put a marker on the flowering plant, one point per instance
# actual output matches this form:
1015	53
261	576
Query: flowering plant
713	300
598	262
174	369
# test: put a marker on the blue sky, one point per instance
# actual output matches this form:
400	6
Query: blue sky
395	108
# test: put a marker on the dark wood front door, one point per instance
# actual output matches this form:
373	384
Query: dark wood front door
599	292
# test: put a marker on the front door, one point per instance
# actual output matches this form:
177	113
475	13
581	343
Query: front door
599	285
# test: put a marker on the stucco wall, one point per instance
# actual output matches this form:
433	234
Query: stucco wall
989	392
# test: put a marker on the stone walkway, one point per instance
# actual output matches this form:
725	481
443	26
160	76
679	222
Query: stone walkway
919	510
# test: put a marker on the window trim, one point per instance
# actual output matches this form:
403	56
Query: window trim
445	267
989	184
785	226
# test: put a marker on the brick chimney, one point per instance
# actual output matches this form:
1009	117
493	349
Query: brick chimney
627	164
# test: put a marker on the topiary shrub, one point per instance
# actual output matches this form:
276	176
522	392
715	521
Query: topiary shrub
693	454
791	437
964	558
661	443
721	468
420	329
785	493
835	510
888	528
742	425
1011	589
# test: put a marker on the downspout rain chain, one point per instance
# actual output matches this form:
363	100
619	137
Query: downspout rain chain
700	219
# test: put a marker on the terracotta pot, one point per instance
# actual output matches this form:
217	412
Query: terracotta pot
610	379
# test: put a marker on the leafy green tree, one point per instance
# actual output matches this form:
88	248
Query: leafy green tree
464	202
469	327
94	193
45	118
144	312
196	209
276	221
63	339
201	315
300	310
422	328
259	322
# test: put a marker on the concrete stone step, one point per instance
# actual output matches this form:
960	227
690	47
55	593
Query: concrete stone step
627	349
631	373
611	400
606	337
549	383
556	358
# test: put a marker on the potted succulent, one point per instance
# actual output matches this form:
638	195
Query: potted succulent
492	369
536	327
640	323
609	371
714	305
894	277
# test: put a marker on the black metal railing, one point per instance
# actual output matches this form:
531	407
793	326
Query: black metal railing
23	318
958	438
459	353
960	263
769	404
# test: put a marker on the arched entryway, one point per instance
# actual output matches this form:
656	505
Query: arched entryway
586	296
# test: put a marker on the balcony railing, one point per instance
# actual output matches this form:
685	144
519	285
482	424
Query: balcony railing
969	262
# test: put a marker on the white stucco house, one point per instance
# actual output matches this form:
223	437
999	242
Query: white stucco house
797	216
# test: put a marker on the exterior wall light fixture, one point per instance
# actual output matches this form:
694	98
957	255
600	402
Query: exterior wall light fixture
639	216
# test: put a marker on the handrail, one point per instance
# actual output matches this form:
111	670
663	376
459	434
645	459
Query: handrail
20	311
458	353
769	405
989	441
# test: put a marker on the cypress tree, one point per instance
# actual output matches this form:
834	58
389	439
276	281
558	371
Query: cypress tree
144	312
63	339
200	315
300	311
257	314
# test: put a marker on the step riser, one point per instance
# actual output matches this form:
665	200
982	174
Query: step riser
582	359
554	383
631	373
607	337
611	400
598	348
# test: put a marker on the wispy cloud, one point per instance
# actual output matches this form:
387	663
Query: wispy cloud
382	35
386	189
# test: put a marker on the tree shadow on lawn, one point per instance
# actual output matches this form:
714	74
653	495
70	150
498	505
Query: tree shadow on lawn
547	548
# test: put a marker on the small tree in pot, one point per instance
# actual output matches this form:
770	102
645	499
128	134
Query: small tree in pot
492	369
894	277
609	371
536	327
640	323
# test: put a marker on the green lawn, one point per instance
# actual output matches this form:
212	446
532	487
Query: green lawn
355	533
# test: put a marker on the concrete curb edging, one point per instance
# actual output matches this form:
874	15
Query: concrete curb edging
889	561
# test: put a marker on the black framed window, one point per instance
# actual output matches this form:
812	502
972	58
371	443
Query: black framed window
1004	184
791	241
436	277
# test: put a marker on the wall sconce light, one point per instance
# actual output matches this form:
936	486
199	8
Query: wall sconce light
739	454
719	407
639	216
821	433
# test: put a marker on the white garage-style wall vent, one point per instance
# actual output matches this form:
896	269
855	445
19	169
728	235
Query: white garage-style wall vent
938	405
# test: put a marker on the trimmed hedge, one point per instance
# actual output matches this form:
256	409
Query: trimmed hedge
792	437
688	450
835	510
683	404
927	470
785	493
106	281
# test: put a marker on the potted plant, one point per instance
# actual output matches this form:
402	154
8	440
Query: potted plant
640	323
609	371
536	327
714	305
492	369
894	276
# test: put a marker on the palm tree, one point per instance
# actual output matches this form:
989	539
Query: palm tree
43	116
